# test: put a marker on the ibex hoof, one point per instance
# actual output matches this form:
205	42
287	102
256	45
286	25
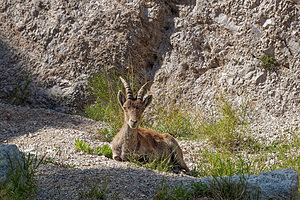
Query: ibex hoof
117	158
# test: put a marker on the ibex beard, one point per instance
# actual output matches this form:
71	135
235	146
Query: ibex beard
134	140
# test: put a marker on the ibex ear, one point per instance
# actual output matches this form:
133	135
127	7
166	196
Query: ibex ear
121	98
148	100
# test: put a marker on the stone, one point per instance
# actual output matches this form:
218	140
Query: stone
10	158
277	184
260	77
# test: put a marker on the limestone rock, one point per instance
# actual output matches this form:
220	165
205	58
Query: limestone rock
277	185
197	49
10	158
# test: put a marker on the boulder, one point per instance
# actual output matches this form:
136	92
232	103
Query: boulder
276	185
11	158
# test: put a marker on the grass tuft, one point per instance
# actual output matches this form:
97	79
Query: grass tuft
19	95
216	189
104	150
145	161
83	146
20	183
268	62
94	191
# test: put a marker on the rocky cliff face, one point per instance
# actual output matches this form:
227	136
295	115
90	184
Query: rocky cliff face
192	49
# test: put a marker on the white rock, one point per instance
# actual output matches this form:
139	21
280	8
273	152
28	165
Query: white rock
268	22
277	185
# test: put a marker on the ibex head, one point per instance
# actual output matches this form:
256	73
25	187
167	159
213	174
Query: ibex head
134	107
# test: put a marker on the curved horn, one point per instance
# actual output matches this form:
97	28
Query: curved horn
143	90
127	88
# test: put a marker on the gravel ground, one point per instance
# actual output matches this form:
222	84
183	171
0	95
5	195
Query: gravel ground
52	133
44	131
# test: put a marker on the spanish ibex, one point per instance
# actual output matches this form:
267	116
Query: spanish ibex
134	140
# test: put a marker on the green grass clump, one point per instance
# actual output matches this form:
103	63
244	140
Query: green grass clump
280	154
228	129
104	150
145	161
19	95
94	191
173	120
268	62
20	183
104	87
223	164
215	189
60	164
83	146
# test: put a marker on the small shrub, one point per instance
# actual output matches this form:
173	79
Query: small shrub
268	62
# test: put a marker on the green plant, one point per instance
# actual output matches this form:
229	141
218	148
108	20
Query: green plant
19	94
163	192
268	62
173	120
217	188
280	154
145	161
222	164
228	129
94	191
20	182
60	164
83	146
226	188
100	150
104	150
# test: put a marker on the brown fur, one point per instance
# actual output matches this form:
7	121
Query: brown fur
134	140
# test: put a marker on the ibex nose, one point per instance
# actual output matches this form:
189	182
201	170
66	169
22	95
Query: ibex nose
134	121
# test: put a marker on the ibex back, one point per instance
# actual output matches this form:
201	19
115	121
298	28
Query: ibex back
134	140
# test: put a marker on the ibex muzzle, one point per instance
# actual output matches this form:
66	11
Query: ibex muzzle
134	140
